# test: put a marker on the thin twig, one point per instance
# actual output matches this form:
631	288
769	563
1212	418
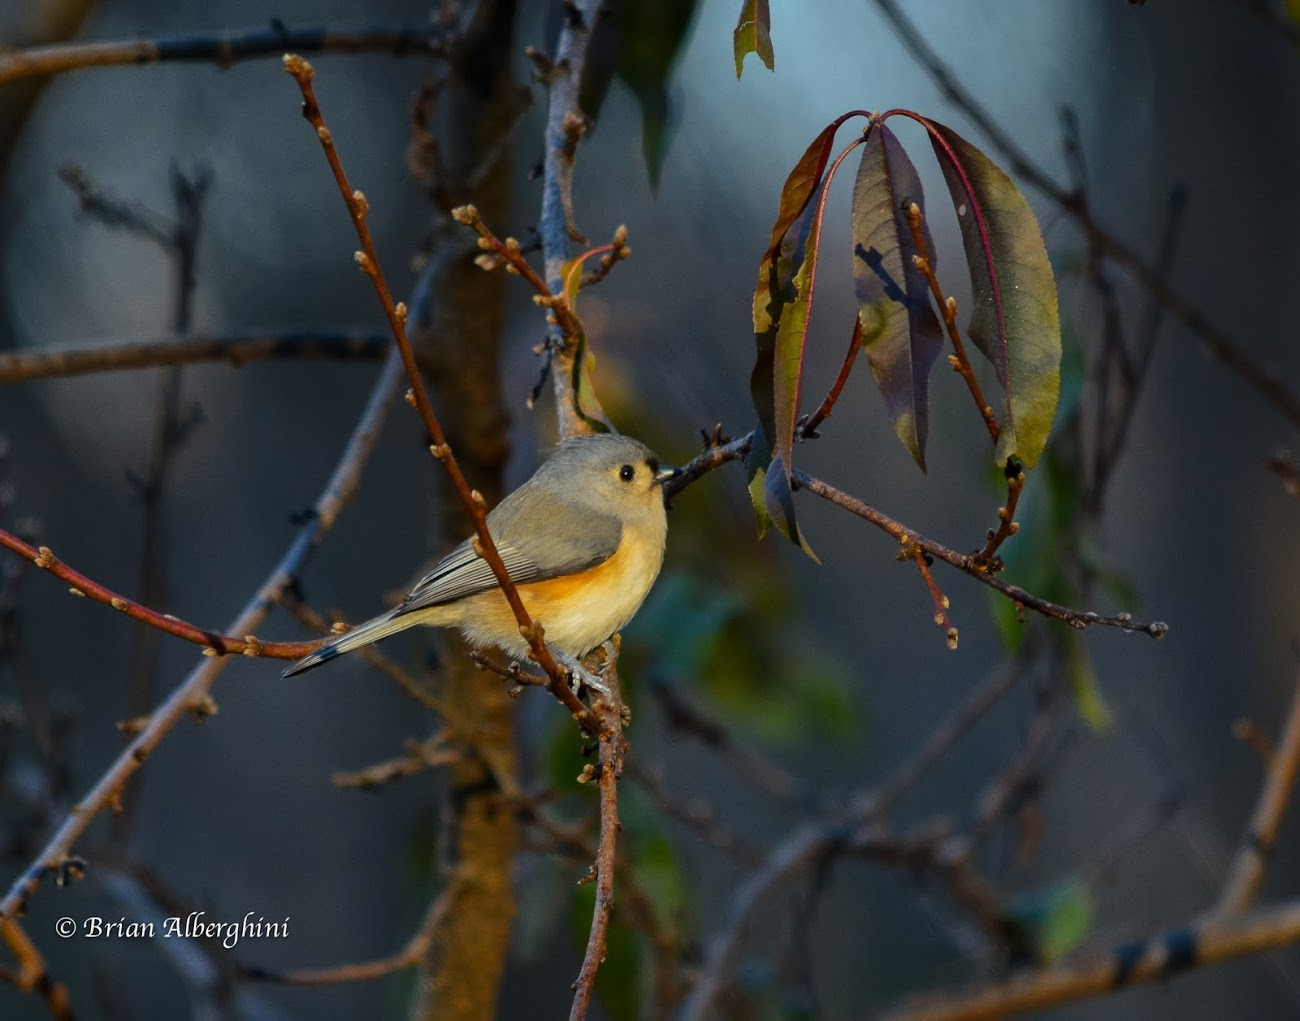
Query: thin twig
1007	525
682	715
941	618
222	49
420	756
32	974
214	643
171	429
613	748
194	691
237	349
965	563
368	259
402	678
698	815
807	428
1256	845
416	950
874	805
948	308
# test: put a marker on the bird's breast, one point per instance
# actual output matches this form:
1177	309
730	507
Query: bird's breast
579	611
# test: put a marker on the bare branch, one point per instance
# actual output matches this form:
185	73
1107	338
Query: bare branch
237	349
565	126
1257	844
222	49
1151	960
613	749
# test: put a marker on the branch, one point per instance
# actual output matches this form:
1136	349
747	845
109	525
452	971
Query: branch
1151	960
613	749
1222	347
1256	846
194	691
420	756
948	308
222	49
32	973
807	427
565	126
214	643
415	951
237	349
966	564
484	546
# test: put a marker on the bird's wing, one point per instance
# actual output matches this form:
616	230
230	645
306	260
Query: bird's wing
539	536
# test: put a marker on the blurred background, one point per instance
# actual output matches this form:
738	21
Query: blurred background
240	815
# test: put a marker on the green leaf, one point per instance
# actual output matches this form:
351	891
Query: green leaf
900	331
753	34
651	33
637	41
777	269
1015	322
1088	697
778	499
1054	920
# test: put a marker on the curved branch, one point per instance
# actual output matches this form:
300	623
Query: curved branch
214	643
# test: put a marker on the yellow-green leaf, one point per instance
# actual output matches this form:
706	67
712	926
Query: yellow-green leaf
753	34
1015	321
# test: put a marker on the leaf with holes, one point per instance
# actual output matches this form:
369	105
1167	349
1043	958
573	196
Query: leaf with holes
753	34
900	331
1015	321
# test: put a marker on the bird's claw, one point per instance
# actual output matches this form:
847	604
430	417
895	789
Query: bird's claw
578	674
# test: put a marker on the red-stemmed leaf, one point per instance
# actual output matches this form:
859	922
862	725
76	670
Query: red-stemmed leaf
901	334
1015	321
753	34
783	294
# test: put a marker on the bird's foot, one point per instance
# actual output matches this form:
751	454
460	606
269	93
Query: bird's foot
579	674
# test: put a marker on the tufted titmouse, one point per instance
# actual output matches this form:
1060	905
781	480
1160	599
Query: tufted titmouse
583	540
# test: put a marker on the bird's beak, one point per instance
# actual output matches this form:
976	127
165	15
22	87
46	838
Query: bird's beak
665	474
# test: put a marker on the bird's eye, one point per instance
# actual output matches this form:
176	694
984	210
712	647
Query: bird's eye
627	473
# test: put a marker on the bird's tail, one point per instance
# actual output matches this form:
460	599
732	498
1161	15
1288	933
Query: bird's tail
362	634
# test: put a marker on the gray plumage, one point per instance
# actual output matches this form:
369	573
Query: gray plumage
569	517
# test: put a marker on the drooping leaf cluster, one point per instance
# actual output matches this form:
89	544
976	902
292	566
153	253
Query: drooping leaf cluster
1014	321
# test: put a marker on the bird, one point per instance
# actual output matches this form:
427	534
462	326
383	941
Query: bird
583	540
